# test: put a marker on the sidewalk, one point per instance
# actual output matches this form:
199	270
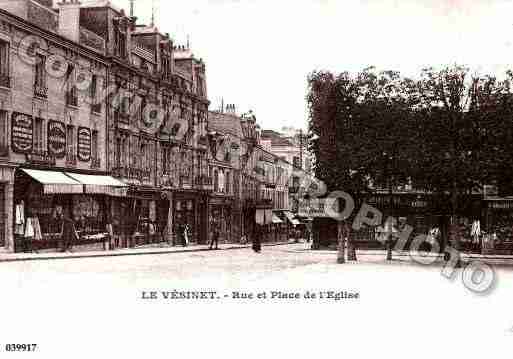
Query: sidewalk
464	256
17	257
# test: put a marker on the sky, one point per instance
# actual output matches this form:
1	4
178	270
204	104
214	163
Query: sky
259	53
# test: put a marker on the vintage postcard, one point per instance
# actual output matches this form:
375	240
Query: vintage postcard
234	178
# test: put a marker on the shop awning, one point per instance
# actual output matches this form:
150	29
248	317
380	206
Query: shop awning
55	182
290	218
94	184
276	219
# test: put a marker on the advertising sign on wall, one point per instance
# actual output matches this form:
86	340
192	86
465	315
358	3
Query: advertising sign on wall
84	144
57	139
22	132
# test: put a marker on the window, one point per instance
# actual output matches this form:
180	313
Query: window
71	93
4	64
216	181
93	87
141	110
229	182
94	145
118	153
70	141
38	134
121	43
40	76
165	160
3	129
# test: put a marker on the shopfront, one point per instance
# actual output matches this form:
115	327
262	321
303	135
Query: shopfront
189	214
43	198
221	215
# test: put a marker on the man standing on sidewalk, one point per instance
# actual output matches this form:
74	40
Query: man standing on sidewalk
215	236
68	234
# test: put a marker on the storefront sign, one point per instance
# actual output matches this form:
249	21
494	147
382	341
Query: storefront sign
84	144
57	139
500	205
22	133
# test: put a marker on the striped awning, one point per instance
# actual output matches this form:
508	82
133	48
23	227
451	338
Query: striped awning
291	218
276	219
95	184
55	182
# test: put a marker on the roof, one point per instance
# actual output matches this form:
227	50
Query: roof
185	54
225	123
277	139
143	29
99	3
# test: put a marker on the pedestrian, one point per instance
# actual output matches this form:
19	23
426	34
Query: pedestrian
308	240
257	239
186	235
215	236
68	234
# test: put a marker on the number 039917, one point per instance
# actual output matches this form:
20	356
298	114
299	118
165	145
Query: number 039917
20	347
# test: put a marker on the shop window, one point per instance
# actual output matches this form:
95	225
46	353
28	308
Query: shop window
38	134
70	141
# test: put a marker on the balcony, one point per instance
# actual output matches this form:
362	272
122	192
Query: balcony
71	160
131	173
42	158
204	183
96	163
5	81
40	91
139	174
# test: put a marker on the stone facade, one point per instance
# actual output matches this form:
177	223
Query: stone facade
40	125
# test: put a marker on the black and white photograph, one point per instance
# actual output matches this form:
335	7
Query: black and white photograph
256	178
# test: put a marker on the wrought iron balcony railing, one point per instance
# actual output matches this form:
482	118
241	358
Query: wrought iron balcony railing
39	157
204	183
132	173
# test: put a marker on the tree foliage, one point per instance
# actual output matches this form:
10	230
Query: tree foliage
448	131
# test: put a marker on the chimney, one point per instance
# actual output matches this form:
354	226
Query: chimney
69	19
